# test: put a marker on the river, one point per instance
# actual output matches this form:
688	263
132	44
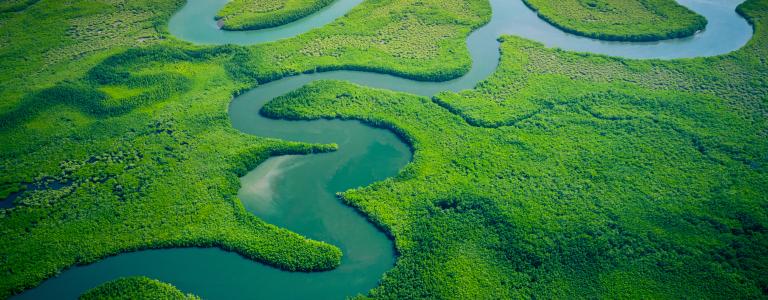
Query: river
298	192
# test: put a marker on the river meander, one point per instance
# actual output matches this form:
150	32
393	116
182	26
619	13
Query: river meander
298	192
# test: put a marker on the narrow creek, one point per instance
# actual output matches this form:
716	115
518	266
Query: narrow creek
298	192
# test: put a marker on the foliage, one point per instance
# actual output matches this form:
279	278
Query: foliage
15	5
136	288
573	174
417	39
126	130
260	14
128	157
564	174
622	20
56	40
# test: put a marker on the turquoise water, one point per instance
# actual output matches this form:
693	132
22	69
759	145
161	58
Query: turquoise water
725	32
297	192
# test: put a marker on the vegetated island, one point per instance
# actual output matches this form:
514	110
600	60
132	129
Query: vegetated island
139	287
632	178
261	14
626	20
98	98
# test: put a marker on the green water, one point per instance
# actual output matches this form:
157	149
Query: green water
297	192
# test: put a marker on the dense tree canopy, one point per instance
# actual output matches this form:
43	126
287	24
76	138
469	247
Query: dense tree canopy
260	14
626	20
130	288
563	174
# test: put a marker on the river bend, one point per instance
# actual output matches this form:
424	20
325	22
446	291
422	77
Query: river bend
298	192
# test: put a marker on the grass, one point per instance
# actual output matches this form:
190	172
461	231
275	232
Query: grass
564	174
624	20
136	288
260	14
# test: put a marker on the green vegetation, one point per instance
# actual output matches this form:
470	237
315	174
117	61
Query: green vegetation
138	163
56	40
572	174
417	39
564	174
621	20
15	5
260	14
136	288
134	126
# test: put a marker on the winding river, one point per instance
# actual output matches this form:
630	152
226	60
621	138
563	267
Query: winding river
298	192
